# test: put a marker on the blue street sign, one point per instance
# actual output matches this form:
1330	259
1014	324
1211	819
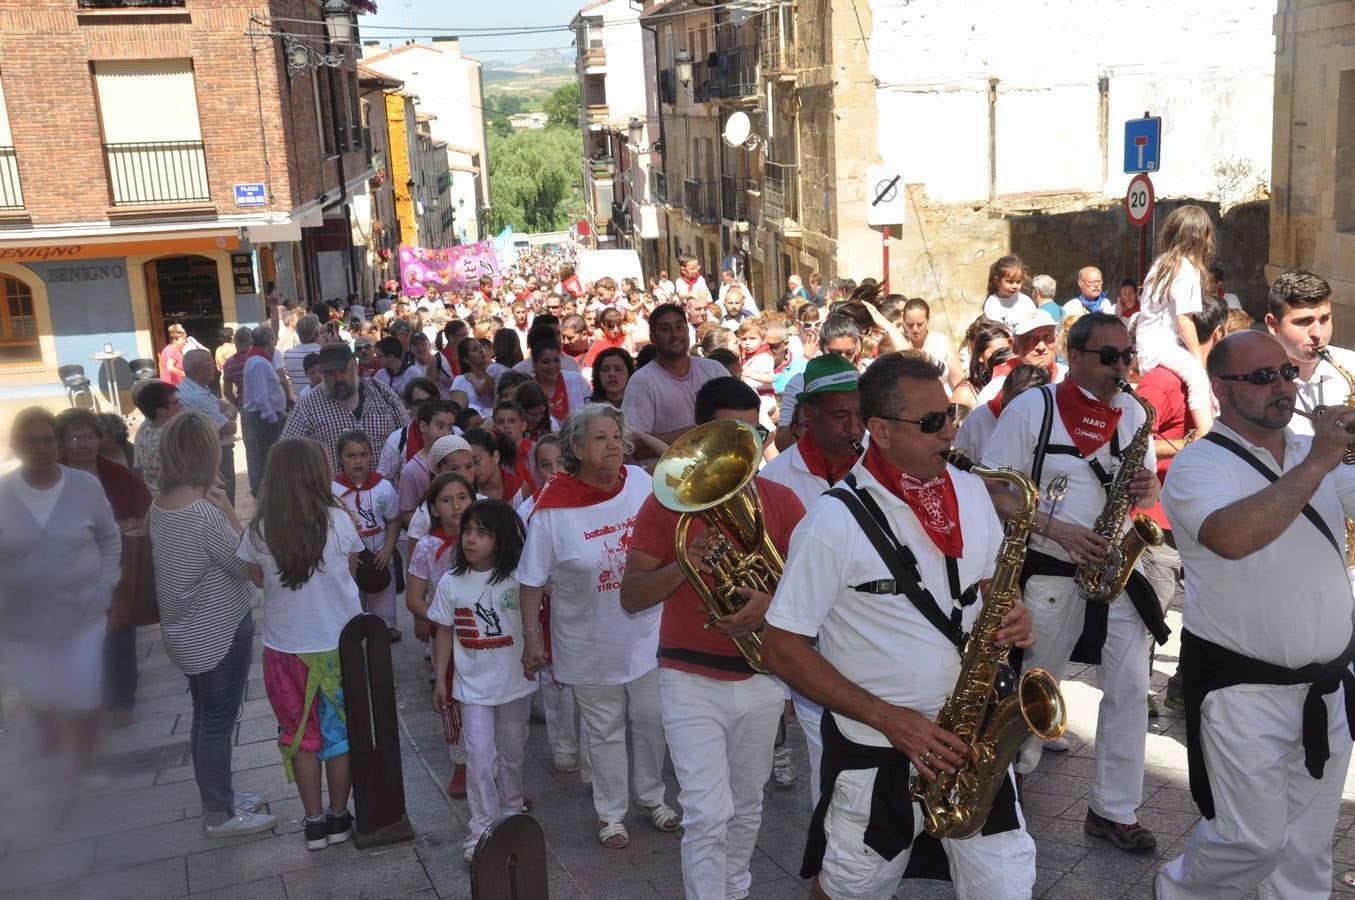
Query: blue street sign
252	194
1142	144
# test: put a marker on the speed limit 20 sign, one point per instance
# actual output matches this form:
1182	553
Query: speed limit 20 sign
1138	200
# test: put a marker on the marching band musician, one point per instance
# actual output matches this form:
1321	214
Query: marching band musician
884	665
823	454
720	717
1265	665
1299	315
1073	435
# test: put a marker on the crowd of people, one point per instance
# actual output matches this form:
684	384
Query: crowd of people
486	456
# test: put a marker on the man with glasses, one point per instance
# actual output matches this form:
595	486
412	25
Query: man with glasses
884	665
1035	340
1090	297
1257	512
1069	439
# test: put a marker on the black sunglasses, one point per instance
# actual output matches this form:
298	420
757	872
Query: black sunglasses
762	431
1268	375
932	422
1108	356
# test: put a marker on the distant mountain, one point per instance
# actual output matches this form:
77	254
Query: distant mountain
542	62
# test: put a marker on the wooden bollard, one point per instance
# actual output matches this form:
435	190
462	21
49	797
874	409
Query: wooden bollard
510	861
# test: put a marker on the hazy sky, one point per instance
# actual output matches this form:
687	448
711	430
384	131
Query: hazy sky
399	20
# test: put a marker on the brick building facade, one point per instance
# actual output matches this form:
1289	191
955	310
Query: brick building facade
166	161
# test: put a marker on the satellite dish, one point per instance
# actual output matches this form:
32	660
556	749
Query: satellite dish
737	129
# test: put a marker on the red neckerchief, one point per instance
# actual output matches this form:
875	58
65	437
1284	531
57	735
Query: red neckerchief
691	283
373	479
512	483
565	491
559	401
1090	423
524	472
414	440
449	354
487	294
524	448
262	353
760	348
573	286
933	502
1005	369
778	369
817	462
448	541
995	405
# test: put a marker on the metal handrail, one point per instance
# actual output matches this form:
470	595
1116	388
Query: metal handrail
146	172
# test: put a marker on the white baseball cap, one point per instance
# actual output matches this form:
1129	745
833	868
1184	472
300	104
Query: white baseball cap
1038	319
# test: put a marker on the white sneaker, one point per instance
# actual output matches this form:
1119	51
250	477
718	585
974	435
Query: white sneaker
247	802
783	770
241	823
1057	746
564	762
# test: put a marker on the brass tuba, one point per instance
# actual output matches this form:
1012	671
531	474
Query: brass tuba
708	472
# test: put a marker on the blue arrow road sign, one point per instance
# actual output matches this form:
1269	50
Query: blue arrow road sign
1142	144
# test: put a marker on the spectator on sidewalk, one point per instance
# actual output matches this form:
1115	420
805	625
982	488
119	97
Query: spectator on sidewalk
158	402
265	404
195	393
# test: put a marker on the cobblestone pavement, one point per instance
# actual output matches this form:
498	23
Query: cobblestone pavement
141	836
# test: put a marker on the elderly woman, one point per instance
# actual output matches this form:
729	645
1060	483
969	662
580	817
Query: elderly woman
205	596
80	435
59	552
577	539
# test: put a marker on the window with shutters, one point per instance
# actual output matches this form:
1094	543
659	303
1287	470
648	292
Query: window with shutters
152	138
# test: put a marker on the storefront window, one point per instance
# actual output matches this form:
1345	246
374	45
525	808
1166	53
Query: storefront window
18	324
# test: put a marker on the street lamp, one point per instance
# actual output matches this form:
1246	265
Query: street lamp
339	21
683	60
636	127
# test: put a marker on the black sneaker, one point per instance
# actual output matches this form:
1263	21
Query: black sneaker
317	833
1176	694
1132	838
339	826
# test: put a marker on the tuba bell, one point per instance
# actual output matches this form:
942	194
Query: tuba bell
708	472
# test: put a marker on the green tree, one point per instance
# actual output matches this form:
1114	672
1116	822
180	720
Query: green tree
535	179
563	106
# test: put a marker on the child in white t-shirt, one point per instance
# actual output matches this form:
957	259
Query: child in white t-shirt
375	507
1173	290
480	627
1006	303
308	597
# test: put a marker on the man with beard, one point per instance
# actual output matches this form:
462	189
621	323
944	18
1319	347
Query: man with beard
661	398
345	402
1266	647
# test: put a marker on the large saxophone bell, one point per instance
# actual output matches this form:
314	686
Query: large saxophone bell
708	472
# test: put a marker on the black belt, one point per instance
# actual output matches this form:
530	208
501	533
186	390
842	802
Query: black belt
735	664
1205	667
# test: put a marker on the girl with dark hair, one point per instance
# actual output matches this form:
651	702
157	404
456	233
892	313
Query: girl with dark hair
533	400
507	347
484	660
302	549
984	339
474	387
612	369
494	455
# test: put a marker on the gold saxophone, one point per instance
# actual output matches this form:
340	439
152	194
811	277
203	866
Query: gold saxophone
1104	581
708	472
990	709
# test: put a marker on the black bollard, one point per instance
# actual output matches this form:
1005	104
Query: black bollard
510	861
373	733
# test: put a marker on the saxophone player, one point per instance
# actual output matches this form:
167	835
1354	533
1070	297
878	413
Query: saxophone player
1265	655
1299	315
1074	436
719	716
888	652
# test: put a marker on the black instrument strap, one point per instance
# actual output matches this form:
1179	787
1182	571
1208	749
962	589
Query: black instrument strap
1309	513
901	562
1042	442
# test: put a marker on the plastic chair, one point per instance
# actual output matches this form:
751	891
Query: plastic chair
78	392
143	369
510	861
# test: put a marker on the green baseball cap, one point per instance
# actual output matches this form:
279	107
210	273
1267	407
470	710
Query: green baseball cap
826	373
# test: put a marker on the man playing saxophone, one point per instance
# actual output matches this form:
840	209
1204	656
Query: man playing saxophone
888	654
1081	434
1299	315
720	717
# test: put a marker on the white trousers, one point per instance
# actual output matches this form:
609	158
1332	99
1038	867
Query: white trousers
720	735
982	867
1122	718
1273	823
495	738
810	715
381	604
605	710
562	731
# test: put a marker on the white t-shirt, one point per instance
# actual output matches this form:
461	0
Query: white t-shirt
1156	330
976	431
658	402
789	469
1009	311
1013	443
1257	605
1325	388
486	622
582	552
41	502
882	643
372	508
308	620
483	403
994	385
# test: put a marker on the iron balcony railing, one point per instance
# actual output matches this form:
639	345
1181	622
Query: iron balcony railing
734	198
667	86
698	201
734	75
659	186
780	197
11	194
621	215
148	172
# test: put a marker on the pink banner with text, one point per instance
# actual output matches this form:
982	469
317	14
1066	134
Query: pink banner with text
454	269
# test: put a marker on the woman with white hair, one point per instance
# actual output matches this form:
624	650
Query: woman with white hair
577	539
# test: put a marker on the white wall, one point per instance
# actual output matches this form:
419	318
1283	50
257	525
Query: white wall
1205	67
625	42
